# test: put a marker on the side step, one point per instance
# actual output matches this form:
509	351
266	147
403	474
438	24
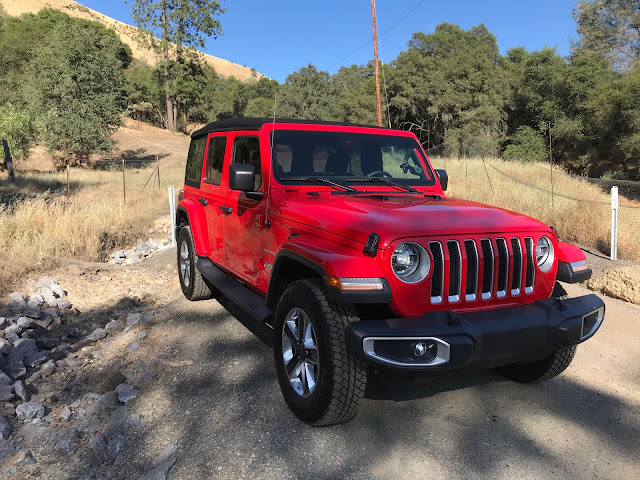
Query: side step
248	301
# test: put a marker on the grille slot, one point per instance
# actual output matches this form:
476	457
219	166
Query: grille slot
487	269
472	270
503	267
516	279
530	276
455	270
437	278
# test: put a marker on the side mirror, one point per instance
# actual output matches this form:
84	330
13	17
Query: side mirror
443	177
242	176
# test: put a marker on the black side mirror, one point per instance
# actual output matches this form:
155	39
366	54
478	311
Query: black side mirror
242	176
443	177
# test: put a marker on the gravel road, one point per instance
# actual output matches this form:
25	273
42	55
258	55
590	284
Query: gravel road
226	413
212	390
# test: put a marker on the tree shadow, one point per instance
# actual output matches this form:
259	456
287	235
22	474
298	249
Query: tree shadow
139	158
227	416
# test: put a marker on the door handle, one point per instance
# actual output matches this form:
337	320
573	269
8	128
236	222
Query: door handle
226	210
203	201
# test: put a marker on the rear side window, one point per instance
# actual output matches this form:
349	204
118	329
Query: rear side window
215	159
193	172
247	150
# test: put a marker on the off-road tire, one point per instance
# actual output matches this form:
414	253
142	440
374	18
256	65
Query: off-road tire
196	288
341	380
540	370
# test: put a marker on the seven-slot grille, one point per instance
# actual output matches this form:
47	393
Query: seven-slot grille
486	268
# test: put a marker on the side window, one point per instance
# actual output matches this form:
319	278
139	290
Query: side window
247	150
215	159
193	172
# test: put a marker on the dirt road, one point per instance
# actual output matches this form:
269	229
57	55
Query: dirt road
211	389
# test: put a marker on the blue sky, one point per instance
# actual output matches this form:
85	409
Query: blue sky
279	37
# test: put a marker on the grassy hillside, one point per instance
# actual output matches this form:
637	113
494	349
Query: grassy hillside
127	33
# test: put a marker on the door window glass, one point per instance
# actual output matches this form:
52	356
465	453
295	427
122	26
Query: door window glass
215	159
247	150
193	172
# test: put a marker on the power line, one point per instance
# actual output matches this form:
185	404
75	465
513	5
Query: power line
371	40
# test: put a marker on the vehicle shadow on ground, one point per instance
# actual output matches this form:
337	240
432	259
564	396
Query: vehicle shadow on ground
227	415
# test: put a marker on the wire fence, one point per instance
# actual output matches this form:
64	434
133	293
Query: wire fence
579	206
11	199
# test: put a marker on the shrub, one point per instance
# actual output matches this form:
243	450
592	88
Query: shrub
526	145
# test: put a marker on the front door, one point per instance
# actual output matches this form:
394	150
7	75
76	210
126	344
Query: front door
243	219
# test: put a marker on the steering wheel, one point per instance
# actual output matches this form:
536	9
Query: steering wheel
379	173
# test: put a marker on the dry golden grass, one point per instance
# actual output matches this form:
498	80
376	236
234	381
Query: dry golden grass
525	188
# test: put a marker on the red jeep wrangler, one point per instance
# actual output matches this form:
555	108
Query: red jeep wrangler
341	239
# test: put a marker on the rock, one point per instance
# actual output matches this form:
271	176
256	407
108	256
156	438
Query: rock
6	393
147	317
47	343
63	303
25	322
96	335
5	379
5	428
160	472
4	323
112	327
109	400
64	444
165	455
34	359
142	335
118	418
10	330
134	420
21	391
35	301
98	444
5	347
11	336
133	319
48	367
75	270
45	321
48	284
32	313
116	444
29	411
133	347
16	370
65	413
24	458
126	393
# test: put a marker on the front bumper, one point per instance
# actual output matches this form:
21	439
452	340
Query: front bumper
490	338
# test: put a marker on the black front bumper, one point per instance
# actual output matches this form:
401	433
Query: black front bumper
488	338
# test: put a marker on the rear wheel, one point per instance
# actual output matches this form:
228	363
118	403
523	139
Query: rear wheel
321	383
192	283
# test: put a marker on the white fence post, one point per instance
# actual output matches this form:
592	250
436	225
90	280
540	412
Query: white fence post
614	223
172	215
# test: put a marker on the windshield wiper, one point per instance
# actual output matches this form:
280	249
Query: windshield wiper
321	180
383	180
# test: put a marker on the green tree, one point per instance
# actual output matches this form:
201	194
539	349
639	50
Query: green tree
145	94
306	94
18	128
610	28
526	145
77	87
180	24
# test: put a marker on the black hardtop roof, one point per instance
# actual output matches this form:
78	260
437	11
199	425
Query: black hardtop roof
228	124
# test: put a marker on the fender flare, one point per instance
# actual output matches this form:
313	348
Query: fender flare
310	254
198	222
572	264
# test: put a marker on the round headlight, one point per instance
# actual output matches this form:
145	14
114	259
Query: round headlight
544	254
410	262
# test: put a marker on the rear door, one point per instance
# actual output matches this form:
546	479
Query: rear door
212	193
243	217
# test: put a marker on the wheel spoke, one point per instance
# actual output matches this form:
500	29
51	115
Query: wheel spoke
312	357
310	376
290	330
303	377
292	366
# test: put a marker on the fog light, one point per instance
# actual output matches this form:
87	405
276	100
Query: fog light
420	349
425	351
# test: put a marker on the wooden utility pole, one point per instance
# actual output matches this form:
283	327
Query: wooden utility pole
551	165
375	59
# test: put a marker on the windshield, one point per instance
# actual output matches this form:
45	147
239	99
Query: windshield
300	156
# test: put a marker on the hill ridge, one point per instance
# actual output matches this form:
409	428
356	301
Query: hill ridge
126	32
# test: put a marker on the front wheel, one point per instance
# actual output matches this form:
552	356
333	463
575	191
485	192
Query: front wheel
320	381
